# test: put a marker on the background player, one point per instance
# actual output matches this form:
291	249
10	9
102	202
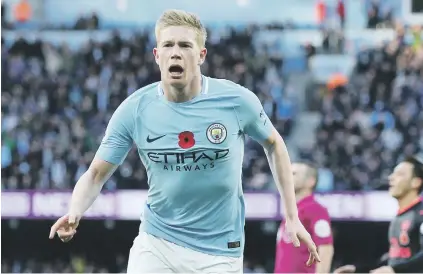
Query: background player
316	220
406	230
194	217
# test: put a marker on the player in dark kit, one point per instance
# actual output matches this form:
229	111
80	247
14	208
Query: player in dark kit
406	230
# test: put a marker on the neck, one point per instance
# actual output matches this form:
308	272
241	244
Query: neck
302	194
184	94
407	199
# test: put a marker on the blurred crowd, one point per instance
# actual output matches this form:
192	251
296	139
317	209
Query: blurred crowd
380	14
56	103
375	119
22	12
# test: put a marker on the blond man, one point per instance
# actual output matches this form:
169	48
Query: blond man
189	131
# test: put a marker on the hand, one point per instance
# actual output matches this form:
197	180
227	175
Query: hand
65	227
345	269
296	231
383	269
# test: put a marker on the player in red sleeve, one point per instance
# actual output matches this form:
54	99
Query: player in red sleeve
315	218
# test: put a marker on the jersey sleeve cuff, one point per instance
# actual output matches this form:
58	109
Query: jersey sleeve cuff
106	155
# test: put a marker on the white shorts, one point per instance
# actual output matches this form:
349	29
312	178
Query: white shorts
150	254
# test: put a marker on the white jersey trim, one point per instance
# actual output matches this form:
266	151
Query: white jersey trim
204	88
206	85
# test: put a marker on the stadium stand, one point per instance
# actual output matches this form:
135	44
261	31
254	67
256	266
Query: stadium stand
368	124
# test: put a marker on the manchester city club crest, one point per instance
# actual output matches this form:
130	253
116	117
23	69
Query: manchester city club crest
216	133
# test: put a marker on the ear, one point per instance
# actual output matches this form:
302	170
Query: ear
156	55
416	183
311	183
203	54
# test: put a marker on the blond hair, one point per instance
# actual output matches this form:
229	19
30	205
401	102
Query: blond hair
171	18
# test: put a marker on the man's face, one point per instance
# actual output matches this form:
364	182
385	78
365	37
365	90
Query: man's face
300	174
178	55
401	180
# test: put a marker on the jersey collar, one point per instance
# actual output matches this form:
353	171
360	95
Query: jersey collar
305	200
204	86
404	209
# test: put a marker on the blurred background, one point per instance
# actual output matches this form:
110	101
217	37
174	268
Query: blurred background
342	81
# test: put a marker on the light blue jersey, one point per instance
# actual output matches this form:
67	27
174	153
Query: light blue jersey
193	153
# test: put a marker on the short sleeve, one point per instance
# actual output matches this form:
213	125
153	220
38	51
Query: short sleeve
320	227
254	120
117	140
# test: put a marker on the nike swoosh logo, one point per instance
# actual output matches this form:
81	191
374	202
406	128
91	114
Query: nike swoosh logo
154	139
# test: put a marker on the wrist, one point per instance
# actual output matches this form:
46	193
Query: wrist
292	218
75	213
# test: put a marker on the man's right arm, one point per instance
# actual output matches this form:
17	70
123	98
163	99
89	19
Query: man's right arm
114	147
89	186
321	231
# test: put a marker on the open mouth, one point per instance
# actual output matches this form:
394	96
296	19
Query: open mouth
176	70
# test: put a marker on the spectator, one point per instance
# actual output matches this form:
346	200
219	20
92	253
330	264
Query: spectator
340	9
379	14
23	11
87	23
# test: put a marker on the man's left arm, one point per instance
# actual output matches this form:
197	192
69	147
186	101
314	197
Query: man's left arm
258	126
326	254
